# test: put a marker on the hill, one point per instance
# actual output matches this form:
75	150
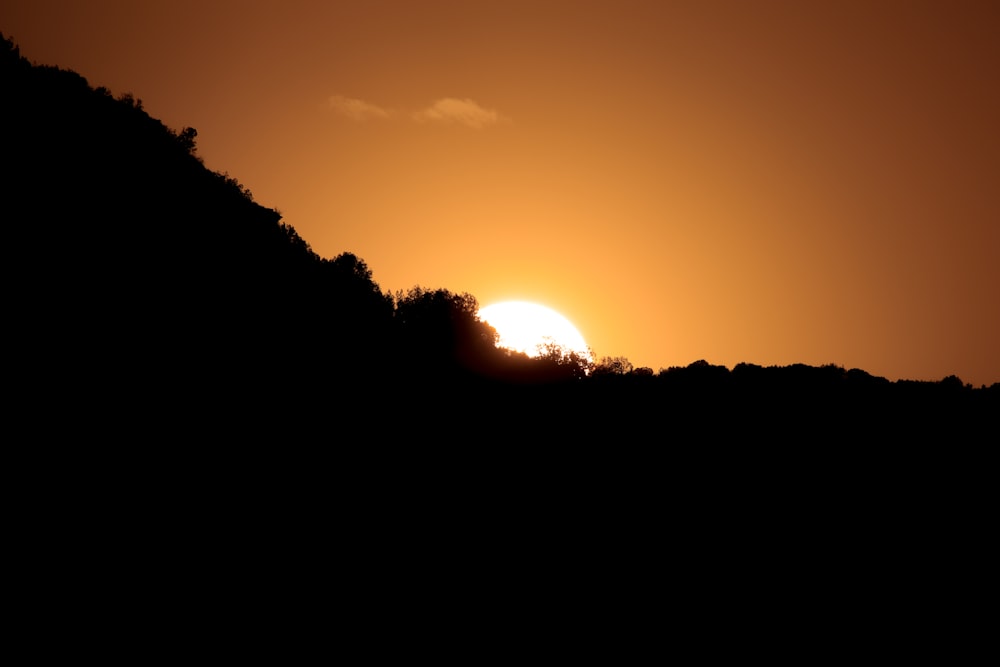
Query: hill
145	289
136	266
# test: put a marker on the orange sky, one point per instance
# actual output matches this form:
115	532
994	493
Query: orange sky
769	182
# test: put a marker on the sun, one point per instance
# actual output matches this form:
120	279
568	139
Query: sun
528	327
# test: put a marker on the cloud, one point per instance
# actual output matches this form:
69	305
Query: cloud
356	109
452	110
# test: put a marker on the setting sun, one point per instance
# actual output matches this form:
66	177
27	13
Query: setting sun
528	327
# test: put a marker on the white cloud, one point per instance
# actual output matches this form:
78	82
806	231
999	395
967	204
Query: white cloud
356	109
445	110
453	110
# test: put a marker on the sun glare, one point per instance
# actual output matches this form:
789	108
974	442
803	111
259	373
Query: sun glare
528	327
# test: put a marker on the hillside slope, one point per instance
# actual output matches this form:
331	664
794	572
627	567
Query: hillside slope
130	264
143	287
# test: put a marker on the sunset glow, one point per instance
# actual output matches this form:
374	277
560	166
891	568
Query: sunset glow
734	181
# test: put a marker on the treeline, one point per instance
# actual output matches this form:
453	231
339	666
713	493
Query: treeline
144	287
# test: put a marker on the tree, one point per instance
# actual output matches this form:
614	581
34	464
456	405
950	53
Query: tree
568	364
441	329
186	138
613	366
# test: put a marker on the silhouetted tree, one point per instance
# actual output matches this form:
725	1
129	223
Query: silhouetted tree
441	331
613	366
186	138
557	363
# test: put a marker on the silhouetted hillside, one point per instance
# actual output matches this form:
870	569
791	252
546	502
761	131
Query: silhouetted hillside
149	291
138	266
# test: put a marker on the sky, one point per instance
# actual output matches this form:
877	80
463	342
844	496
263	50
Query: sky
729	180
